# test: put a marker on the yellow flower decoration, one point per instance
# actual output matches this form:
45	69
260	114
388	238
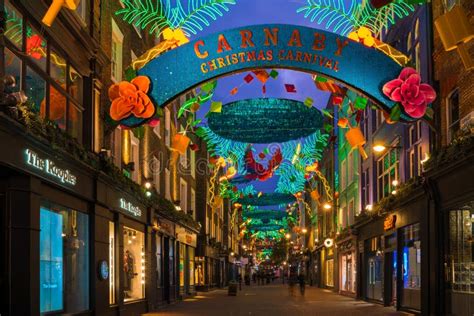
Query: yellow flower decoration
175	35
362	35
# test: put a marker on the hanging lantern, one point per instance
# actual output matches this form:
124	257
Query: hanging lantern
455	30
315	195
180	143
342	122
54	8
356	139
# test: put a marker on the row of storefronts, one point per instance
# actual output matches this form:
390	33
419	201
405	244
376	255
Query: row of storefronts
418	257
79	243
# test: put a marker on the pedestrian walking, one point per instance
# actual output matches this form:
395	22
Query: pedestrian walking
240	281
302	283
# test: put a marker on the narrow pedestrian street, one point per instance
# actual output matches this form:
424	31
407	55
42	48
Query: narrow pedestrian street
274	299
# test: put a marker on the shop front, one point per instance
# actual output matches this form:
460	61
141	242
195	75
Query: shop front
390	250
453	249
347	265
45	204
187	242
164	258
123	247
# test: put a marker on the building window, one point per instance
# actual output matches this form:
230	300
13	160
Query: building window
183	195
350	213
64	259
81	11
191	259
116	146
460	267
193	202
412	162
167	127
387	171
157	129
135	156
351	164
40	70
330	272
342	173
167	184
111	263
97	120
449	4
155	169
116	56
453	114
133	264
365	188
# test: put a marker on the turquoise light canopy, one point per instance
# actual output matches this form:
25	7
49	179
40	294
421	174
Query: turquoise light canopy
265	120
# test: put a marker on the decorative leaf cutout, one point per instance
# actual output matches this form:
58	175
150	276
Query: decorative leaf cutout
376	19
159	14
333	14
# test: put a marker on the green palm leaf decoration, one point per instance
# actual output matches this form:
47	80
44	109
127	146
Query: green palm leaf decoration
198	14
335	15
376	19
159	14
342	18
147	13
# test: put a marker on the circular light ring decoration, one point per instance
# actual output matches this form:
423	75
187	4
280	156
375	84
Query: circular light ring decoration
328	242
265	120
267	199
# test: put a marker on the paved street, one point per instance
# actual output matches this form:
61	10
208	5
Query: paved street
274	300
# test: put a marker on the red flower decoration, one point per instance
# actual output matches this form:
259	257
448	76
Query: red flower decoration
33	46
410	92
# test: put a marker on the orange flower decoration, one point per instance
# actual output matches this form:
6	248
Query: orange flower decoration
131	98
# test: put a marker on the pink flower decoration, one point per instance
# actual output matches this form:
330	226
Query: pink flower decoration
410	92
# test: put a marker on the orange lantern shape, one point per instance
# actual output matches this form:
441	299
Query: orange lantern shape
315	195
54	8
356	139
180	143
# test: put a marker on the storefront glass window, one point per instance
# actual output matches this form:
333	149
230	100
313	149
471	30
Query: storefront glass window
159	282
13	68
58	69
411	266
191	265
460	265
36	91
57	107
13	25
36	47
330	272
348	272
133	264
111	263
182	252
171	262
64	259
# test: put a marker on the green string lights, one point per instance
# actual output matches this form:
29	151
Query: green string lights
157	15
335	15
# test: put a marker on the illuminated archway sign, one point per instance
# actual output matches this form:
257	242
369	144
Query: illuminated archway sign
272	46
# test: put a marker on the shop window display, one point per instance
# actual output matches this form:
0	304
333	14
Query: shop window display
460	265
191	265
182	253
64	259
348	273
330	272
111	263
411	267
133	264
159	281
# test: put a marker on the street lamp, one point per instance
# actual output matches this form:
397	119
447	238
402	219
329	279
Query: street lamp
327	206
304	230
379	147
287	236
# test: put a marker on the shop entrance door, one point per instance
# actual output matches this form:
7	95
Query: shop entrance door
166	269
391	278
375	278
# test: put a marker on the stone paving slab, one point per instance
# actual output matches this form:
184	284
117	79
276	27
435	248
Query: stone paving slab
274	300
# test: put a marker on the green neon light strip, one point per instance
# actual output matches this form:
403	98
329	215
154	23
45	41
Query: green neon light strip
159	14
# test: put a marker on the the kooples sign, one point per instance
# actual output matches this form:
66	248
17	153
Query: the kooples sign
130	208
297	48
49	167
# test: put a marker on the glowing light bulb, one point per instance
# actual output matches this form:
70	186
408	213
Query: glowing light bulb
379	148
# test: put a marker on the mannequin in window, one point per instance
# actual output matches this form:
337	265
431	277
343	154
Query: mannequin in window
129	268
